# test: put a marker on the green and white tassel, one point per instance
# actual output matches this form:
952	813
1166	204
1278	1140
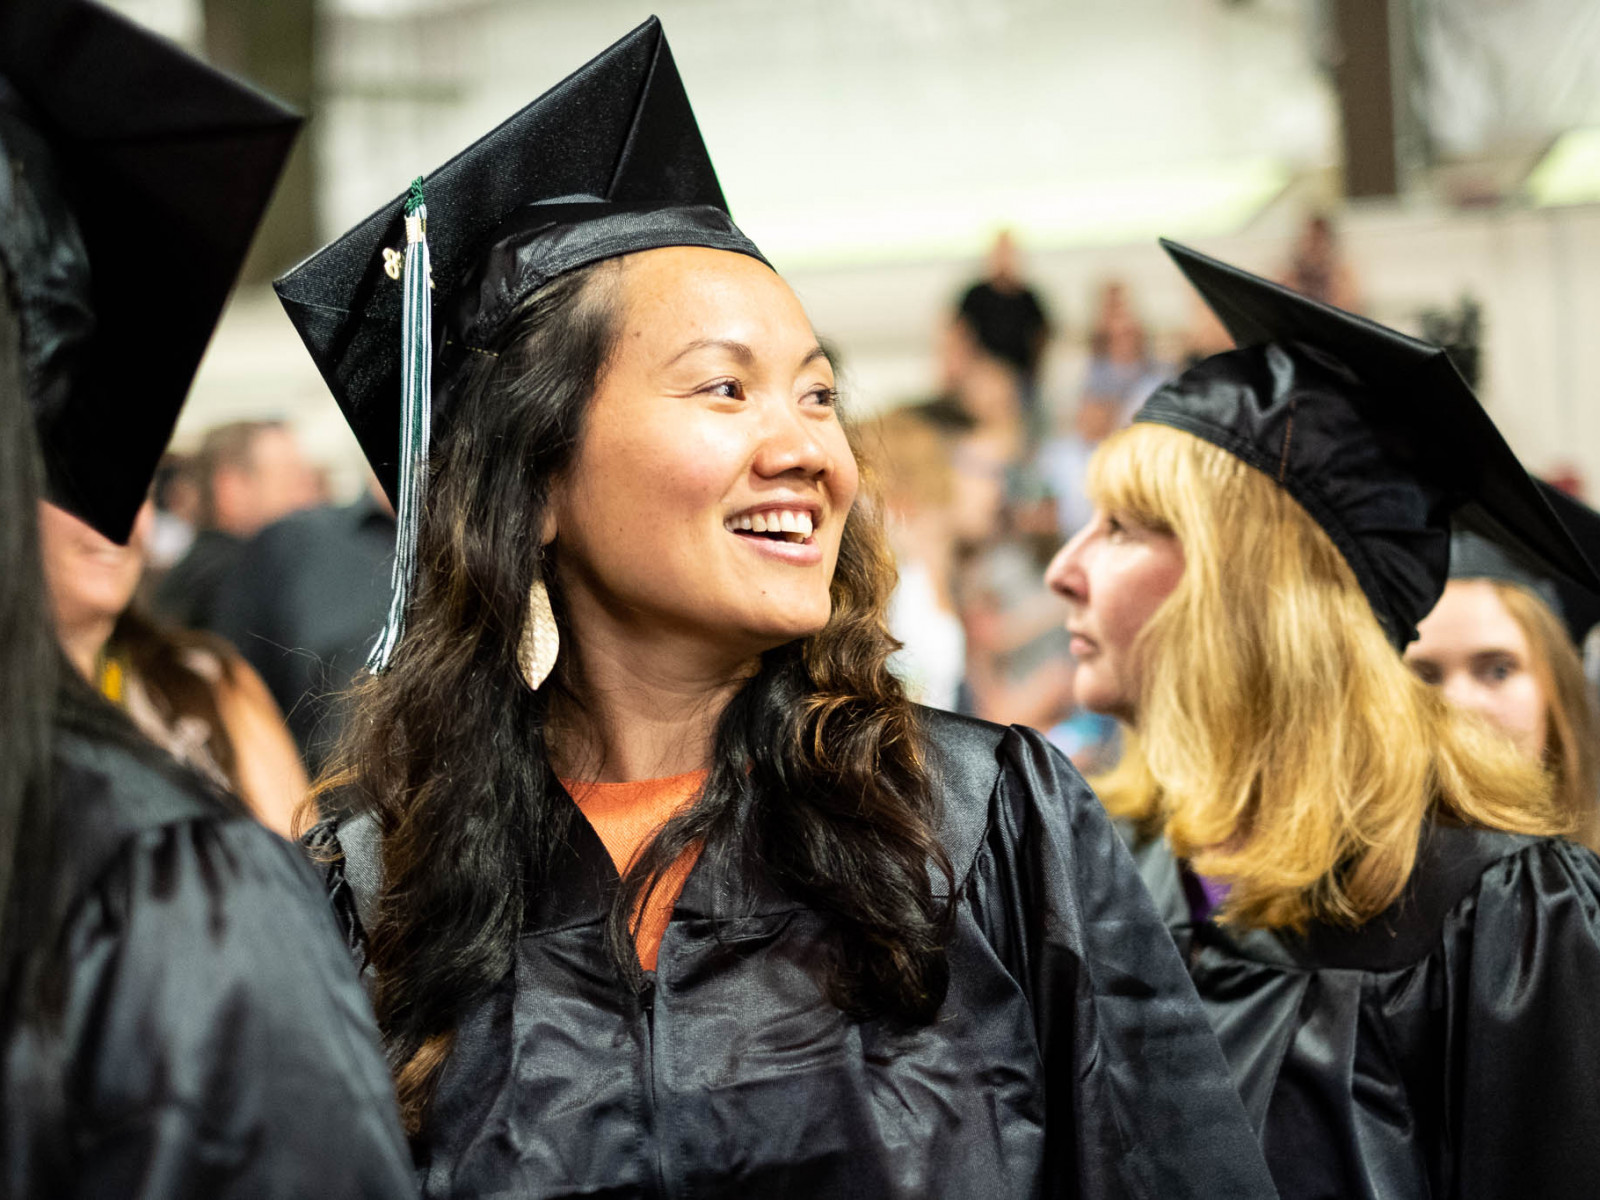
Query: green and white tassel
416	413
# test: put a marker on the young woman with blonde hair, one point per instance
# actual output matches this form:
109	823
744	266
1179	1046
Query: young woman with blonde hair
1397	953
1503	642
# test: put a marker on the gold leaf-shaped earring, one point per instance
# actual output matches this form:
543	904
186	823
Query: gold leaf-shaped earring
537	648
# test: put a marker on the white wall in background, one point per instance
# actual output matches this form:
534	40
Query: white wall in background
863	129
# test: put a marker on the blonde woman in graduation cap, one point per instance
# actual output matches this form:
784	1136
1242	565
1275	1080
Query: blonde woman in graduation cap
661	883
1398	956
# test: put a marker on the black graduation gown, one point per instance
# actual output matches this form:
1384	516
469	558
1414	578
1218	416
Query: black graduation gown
212	1040
1448	1048
1070	1059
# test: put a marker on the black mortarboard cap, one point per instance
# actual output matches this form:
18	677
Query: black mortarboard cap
1374	433
1474	556
607	162
133	181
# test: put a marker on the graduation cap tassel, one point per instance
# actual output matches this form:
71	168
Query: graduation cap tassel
416	420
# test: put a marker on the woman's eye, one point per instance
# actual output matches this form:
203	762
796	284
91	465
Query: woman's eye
1497	670
731	389
824	397
1427	672
1115	527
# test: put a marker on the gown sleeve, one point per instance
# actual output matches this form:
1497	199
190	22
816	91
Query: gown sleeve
1139	1099
216	1041
1524	1030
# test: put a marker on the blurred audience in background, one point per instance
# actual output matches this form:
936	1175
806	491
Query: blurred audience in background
304	602
1006	319
177	500
920	497
188	691
1123	370
248	474
1317	267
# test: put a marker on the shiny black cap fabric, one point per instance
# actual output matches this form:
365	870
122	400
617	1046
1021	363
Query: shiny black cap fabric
608	162
1473	556
1374	433
133	179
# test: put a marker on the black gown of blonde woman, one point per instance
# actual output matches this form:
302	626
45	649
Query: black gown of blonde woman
1446	1048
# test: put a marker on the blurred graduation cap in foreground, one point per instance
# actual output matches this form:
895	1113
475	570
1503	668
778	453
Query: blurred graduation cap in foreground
1373	432
608	162
134	176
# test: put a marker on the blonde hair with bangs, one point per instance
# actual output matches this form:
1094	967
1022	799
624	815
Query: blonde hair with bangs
1282	744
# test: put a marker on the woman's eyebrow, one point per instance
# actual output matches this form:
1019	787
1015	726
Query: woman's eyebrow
738	350
743	353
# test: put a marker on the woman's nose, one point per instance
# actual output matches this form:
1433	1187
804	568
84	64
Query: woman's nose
790	442
1065	575
1462	691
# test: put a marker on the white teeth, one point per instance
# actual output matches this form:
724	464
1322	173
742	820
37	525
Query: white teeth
786	520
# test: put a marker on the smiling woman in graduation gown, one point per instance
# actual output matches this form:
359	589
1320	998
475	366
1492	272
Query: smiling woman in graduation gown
1399	967
662	885
178	1017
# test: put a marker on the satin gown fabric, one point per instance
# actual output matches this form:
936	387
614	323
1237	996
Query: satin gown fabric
1071	1057
211	1040
1448	1048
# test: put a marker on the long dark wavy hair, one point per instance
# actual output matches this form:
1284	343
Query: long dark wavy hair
817	781
29	658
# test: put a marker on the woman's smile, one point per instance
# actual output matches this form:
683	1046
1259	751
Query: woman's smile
784	531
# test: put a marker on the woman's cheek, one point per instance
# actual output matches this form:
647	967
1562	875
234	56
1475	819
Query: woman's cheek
1523	714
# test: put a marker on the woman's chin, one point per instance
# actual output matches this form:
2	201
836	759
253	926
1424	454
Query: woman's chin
774	630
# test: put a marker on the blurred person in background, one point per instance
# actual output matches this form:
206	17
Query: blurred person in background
189	692
1503	642
1018	671
1398	954
176	495
919	490
304	604
1122	368
990	393
178	1019
1317	267
649	856
1063	460
250	473
1007	319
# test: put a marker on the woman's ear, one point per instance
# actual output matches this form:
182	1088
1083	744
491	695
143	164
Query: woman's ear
547	530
